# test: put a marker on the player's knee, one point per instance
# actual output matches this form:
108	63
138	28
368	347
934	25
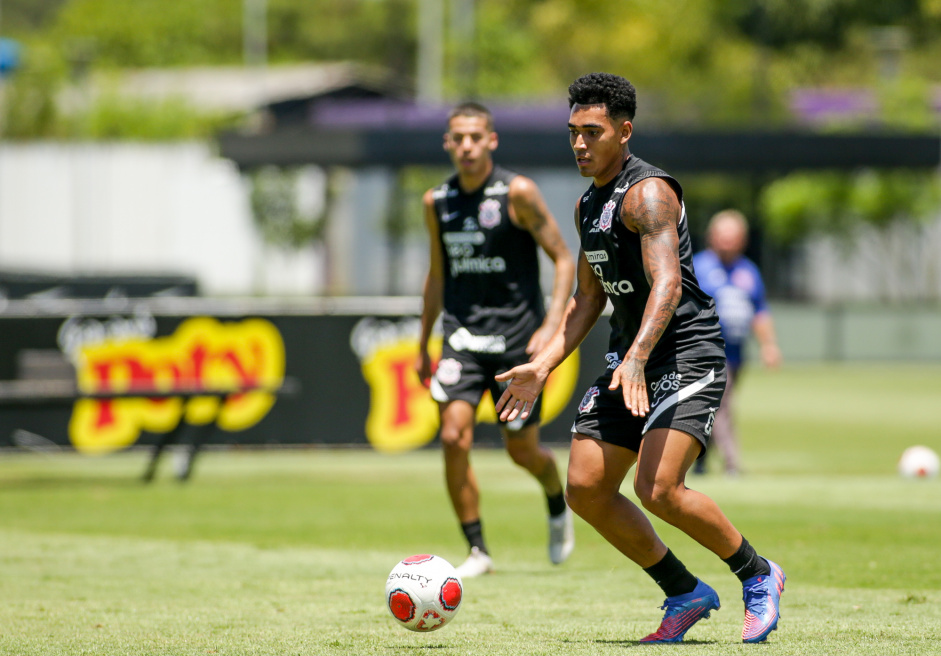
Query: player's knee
455	437
583	498
520	455
655	496
574	497
527	455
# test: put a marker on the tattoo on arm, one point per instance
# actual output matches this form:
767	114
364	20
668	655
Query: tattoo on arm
653	213
537	220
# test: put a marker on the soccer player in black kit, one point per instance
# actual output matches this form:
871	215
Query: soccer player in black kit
486	225
655	404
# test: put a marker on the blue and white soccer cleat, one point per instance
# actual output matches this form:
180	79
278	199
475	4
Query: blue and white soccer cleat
682	611
762	596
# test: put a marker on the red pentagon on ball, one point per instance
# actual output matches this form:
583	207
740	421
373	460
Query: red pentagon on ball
415	560
451	593
401	605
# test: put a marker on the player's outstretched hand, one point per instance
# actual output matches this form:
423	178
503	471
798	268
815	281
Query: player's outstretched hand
629	376
525	384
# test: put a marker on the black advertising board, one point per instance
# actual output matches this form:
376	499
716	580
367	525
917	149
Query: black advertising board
101	377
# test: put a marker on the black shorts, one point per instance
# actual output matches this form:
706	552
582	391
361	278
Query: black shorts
684	396
465	375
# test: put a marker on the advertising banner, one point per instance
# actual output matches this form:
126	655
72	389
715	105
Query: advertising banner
112	380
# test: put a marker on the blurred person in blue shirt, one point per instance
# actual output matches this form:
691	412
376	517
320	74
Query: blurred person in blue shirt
735	283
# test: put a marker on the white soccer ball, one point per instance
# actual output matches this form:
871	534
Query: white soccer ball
919	462
424	592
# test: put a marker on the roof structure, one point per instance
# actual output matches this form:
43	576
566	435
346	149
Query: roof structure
249	89
361	125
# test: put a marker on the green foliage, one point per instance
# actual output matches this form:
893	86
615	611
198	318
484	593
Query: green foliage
906	102
695	62
373	31
153	32
706	194
412	182
33	109
830	203
113	117
690	66
508	53
157	33
22	17
804	203
29	108
782	23
275	208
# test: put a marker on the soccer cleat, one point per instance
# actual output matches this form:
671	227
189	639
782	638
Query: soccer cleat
682	612
561	537
477	563
762	597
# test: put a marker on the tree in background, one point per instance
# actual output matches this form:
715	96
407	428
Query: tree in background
700	62
283	213
895	208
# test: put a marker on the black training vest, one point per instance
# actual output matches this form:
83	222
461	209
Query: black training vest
491	267
614	254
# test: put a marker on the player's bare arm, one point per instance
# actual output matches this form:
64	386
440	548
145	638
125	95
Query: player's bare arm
763	327
528	210
580	314
651	209
433	291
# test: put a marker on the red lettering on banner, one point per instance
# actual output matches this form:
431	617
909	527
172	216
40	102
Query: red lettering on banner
203	354
407	390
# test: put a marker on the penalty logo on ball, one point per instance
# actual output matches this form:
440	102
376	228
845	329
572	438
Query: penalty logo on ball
424	592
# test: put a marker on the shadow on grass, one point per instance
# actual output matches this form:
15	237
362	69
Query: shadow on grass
638	643
423	647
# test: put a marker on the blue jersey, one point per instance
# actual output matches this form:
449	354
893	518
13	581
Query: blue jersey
739	293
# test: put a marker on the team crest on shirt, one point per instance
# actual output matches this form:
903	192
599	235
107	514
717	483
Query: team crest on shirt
448	371
607	214
488	215
588	401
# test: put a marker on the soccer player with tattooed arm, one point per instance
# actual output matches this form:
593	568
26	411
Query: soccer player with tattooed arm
654	405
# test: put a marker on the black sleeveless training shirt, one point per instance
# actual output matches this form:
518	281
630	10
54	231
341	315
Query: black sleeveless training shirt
614	254
491	267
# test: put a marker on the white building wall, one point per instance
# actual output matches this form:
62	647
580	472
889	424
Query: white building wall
127	208
180	209
898	264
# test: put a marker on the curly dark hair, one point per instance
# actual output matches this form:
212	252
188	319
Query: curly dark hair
617	94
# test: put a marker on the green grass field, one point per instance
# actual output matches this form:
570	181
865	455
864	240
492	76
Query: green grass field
286	552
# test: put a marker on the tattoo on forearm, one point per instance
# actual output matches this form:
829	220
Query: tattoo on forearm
654	216
660	308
